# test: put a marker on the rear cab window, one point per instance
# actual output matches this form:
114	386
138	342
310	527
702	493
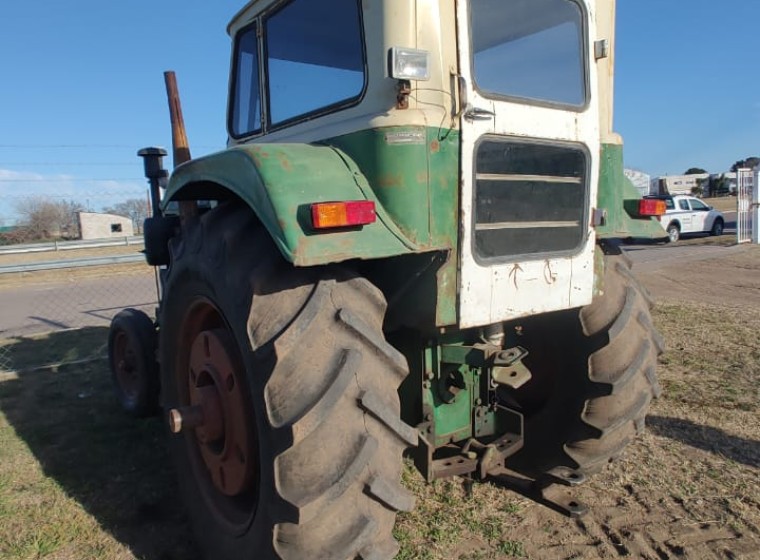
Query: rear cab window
312	61
531	51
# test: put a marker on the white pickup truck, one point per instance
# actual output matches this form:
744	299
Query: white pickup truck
687	214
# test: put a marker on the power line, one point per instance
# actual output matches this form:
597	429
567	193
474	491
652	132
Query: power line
70	180
64	163
66	146
92	146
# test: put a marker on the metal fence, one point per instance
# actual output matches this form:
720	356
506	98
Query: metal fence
47	296
744	187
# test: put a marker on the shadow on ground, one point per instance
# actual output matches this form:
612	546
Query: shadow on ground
707	438
116	467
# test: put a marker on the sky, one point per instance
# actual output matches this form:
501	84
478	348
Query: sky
81	89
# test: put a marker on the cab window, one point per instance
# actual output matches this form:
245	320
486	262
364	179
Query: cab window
314	57
311	56
699	206
245	116
532	50
683	204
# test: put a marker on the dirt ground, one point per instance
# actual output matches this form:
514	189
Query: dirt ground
690	487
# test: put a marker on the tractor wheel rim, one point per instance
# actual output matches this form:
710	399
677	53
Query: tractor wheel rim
222	449
125	366
215	386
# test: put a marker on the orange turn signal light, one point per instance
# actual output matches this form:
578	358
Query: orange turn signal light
651	207
350	213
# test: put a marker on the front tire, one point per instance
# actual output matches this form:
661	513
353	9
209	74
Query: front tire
132	360
595	372
717	228
320	409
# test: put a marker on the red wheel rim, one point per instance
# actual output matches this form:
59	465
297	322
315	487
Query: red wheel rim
221	445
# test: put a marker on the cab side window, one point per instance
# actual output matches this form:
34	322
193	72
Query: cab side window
314	56
683	204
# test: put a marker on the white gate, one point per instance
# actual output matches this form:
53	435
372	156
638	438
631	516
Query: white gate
745	180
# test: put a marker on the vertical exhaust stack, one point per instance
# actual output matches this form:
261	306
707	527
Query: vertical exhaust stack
180	145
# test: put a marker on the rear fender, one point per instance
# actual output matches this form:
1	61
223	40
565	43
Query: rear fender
279	182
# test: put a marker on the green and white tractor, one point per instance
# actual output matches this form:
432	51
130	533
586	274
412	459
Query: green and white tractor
409	247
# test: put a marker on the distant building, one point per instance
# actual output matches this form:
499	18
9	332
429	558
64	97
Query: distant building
103	226
639	179
677	184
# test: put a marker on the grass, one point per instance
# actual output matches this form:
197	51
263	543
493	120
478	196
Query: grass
71	275
79	480
68	254
722	203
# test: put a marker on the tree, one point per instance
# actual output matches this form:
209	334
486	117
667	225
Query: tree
695	171
42	218
716	185
750	163
136	209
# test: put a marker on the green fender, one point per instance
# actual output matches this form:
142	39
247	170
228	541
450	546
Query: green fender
620	198
280	182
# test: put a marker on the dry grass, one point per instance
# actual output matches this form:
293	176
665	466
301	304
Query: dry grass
69	275
47	256
722	203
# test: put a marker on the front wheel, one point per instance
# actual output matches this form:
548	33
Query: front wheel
282	394
717	228
594	377
132	360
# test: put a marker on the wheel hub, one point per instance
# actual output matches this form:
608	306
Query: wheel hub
217	412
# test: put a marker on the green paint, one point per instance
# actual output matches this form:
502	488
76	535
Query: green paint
614	191
414	172
280	182
452	420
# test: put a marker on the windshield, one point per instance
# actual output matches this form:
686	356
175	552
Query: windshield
530	49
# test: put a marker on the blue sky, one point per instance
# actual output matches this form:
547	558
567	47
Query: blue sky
81	89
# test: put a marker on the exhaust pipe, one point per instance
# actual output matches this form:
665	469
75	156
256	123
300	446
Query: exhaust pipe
180	145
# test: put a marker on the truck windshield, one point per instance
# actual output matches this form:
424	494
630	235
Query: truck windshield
530	49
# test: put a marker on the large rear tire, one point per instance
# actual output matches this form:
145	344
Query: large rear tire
318	423
594	378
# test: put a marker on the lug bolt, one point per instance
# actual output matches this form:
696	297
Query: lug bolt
185	418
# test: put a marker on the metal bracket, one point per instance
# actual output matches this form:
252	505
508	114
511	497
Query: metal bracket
549	491
599	217
508	368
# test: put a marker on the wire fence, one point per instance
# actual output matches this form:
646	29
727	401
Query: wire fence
58	311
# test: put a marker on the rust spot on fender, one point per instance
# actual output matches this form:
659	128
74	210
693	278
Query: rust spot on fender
395	180
435	147
285	162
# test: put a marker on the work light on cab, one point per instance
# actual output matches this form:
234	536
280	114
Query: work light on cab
409	64
326	215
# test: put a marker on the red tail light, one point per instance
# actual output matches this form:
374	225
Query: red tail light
651	207
326	215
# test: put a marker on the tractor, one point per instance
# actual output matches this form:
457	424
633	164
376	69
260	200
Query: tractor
410	248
